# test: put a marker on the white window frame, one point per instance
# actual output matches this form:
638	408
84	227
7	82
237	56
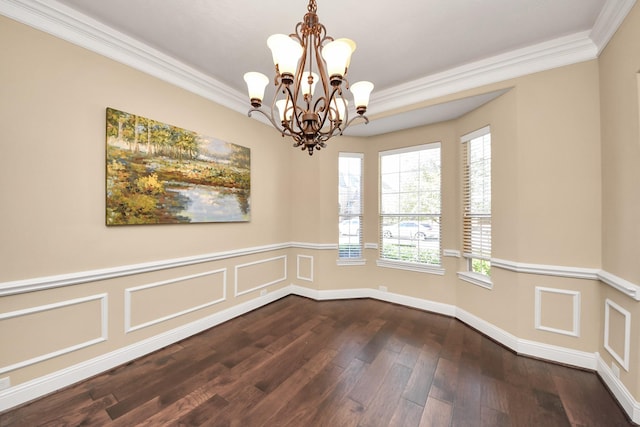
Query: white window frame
344	216
469	275
409	265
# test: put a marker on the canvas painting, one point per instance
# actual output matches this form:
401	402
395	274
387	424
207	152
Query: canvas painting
162	174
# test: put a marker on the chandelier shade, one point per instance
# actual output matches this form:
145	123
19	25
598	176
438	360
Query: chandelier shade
286	53
256	84
310	75
337	54
361	92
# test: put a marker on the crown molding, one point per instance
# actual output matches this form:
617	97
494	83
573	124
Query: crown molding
66	23
540	57
609	19
70	25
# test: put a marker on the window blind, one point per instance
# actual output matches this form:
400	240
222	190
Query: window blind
476	154
350	205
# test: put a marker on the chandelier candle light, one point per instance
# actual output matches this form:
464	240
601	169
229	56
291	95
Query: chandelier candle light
303	60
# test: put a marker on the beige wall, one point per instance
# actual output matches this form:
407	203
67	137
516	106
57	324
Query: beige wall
52	183
54	97
559	167
620	117
619	68
566	147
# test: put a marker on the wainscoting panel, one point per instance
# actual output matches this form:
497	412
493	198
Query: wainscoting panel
260	274
305	268
617	332
158	302
80	323
557	310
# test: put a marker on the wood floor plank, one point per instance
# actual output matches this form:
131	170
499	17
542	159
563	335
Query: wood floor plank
104	384
241	399
489	417
437	413
495	394
137	415
321	413
377	341
303	363
309	398
163	386
423	372
47	411
170	414
408	356
381	408
371	379
445	381
267	408
493	364
407	414
347	414
586	401
352	340
202	412
468	398
91	414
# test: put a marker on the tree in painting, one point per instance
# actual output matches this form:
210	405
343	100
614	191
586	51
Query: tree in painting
161	174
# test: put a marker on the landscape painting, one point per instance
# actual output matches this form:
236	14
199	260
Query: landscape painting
161	174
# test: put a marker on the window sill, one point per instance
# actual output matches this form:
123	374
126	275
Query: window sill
351	261
411	266
476	279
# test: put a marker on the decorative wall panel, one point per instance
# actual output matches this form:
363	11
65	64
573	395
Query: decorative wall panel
161	301
305	268
557	310
617	332
260	274
79	323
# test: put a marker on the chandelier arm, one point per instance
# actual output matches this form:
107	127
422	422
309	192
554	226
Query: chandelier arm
365	118
294	115
283	128
345	119
298	32
300	75
322	72
284	131
327	111
268	116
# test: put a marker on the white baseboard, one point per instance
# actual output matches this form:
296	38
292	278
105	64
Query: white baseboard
490	330
407	301
558	354
50	383
630	405
566	356
39	387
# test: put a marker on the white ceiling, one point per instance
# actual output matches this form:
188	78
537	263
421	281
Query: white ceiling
412	50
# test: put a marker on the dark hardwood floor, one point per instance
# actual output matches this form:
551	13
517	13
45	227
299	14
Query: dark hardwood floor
298	362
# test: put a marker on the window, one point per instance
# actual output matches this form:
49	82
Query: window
410	206
476	155
350	205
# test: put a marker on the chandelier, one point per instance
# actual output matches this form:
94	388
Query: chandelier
302	60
